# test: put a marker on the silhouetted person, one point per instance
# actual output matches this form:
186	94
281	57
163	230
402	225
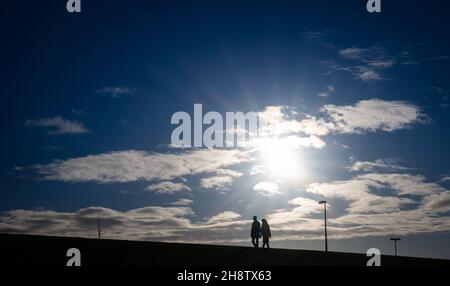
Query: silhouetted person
256	232
265	232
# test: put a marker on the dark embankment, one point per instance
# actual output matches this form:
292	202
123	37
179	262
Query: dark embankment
33	250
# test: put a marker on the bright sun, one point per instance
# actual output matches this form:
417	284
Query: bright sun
280	158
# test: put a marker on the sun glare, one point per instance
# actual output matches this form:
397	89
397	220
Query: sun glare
280	158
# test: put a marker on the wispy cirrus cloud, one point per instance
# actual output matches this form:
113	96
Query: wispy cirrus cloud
320	38
183	202
328	90
380	164
58	125
117	91
374	57
314	35
167	187
438	91
78	112
364	73
368	59
407	58
365	64
368	64
51	148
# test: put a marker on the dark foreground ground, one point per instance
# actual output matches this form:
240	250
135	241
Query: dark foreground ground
17	250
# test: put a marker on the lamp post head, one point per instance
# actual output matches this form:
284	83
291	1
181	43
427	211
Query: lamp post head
395	238
322	202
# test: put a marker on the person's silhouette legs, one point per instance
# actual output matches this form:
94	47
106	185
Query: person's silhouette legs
255	241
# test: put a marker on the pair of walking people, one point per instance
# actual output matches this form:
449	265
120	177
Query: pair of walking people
259	230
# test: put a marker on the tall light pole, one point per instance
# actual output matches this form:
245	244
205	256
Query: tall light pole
99	227
395	239
325	212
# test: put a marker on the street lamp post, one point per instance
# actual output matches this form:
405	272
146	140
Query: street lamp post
395	239
99	227
325	213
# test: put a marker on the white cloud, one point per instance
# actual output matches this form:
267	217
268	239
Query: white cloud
117	91
221	181
311	141
267	189
357	193
149	223
400	223
167	187
224	216
365	116
371	213
129	166
286	129
363	191
297	218
257	169
306	206
404	184
374	114
316	126
438	202
58	125
217	182
228	172
376	207
290	131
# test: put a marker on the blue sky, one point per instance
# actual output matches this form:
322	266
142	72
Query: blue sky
87	100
